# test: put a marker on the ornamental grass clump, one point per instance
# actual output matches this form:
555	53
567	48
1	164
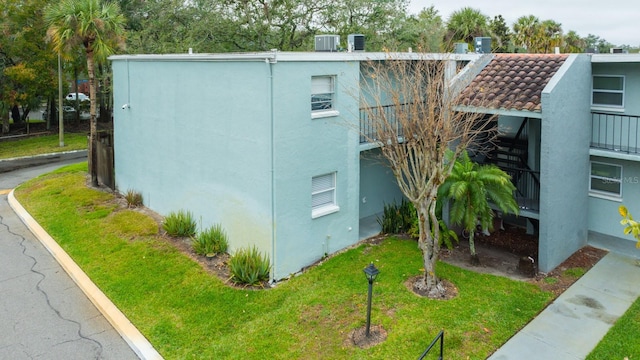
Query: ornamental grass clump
249	266
180	224
211	241
134	198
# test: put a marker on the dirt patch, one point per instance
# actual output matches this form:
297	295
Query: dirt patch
450	291
217	265
377	334
506	252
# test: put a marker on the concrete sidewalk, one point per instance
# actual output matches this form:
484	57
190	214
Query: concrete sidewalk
572	326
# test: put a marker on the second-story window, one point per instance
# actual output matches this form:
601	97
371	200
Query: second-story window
606	179
608	91
322	93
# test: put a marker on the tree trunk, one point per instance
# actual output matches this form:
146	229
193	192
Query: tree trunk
429	244
475	260
93	136
4	115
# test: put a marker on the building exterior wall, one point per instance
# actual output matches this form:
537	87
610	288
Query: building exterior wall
378	185
564	162
631	72
234	142
190	140
305	147
603	212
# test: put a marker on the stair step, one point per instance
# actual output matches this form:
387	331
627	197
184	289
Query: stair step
510	143
506	152
497	161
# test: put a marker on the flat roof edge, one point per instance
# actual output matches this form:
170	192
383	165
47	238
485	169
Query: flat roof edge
296	56
615	58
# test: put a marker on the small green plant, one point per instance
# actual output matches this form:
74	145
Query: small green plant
575	272
397	219
249	266
180	224
211	241
550	280
134	198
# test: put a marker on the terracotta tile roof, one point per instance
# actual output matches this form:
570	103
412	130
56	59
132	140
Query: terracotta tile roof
512	81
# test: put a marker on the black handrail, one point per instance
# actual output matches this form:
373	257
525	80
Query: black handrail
440	337
616	132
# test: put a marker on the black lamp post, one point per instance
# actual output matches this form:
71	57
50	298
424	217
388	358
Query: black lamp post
371	272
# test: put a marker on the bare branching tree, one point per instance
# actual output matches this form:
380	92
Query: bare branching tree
411	114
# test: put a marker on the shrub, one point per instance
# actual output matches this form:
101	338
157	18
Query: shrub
249	266
133	198
211	241
180	224
397	219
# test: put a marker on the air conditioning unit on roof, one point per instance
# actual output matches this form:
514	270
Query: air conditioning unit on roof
327	43
355	42
482	45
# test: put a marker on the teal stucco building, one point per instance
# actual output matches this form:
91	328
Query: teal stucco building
269	146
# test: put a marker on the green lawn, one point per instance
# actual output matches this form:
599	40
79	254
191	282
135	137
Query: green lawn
623	339
41	145
187	313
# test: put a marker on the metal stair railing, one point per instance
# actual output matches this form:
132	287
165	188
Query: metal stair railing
440	337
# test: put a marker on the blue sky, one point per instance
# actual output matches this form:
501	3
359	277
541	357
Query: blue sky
617	21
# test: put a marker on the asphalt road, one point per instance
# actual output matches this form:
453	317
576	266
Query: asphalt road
43	314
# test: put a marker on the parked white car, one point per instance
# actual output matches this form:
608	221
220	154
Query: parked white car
81	97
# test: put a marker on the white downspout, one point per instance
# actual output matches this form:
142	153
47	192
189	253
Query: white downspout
270	62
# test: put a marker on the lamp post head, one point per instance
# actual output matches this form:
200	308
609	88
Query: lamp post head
371	272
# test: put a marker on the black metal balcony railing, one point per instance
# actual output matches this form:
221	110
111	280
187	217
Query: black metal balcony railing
369	115
527	183
615	132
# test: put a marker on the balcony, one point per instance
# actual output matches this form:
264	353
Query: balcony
619	133
369	115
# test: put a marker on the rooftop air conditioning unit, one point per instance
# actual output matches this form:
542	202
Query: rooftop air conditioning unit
482	45
460	48
355	42
327	43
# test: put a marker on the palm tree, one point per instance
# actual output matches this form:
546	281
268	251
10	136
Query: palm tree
96	27
573	43
467	23
526	31
473	188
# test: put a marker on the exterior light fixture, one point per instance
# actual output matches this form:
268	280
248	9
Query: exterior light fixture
371	272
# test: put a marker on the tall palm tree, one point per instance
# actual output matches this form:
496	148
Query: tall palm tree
473	188
525	32
96	27
467	23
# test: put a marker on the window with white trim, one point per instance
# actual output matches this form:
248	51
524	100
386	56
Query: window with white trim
323	195
605	179
322	93
608	91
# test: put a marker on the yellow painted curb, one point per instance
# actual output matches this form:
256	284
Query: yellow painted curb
4	192
138	343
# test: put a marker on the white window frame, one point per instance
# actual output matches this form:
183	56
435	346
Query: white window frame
323	185
610	91
603	193
320	86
